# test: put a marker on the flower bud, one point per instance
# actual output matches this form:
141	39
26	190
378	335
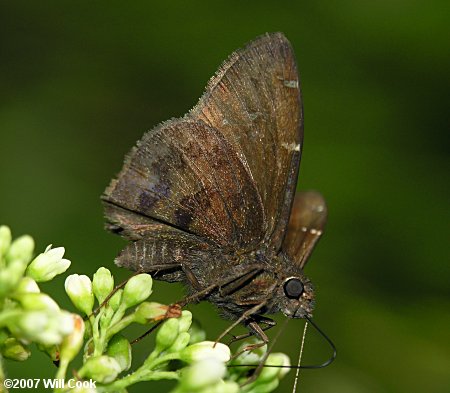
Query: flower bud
137	289
180	343
3	336
264	387
14	350
63	321
119	348
106	317
51	350
197	333
103	369
27	285
228	387
250	357
11	275
270	373
44	327
72	343
205	372
37	301
79	289
167	334
87	389
185	320
5	240
102	284
48	264
21	249
149	311
283	360
206	349
116	299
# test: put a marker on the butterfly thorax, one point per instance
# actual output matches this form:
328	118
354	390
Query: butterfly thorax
268	273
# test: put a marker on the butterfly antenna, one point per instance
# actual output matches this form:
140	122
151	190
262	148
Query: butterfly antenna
300	358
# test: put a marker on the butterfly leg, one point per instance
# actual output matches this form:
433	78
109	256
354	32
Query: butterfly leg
258	331
201	293
230	284
236	283
191	277
258	319
244	317
255	330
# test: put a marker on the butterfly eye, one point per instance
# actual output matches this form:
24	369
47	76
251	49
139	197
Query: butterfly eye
293	288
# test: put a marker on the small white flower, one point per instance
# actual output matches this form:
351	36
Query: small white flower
119	348
206	349
102	284
167	334
27	285
44	327
48	264
83	389
5	239
285	362
79	289
205	372
65	323
185	321
21	249
37	301
103	369
13	349
270	373
136	290
72	343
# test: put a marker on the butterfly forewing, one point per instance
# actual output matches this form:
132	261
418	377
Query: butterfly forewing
254	101
186	175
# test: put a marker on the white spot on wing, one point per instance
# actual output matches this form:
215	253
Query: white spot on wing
293	84
291	146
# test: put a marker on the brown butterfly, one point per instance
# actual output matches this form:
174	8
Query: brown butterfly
208	199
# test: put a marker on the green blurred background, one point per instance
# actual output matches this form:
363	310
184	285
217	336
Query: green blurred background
81	81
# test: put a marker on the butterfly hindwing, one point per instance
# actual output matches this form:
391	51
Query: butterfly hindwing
306	225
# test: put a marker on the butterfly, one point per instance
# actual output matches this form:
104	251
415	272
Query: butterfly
210	199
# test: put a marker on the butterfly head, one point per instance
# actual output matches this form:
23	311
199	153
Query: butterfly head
295	296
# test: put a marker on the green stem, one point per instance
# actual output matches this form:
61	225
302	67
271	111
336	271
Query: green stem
61	373
122	324
6	315
163	359
102	334
2	376
144	373
138	376
98	350
62	369
118	314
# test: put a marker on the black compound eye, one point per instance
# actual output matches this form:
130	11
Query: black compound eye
293	288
